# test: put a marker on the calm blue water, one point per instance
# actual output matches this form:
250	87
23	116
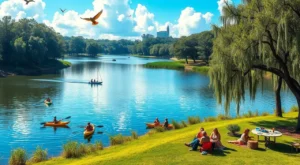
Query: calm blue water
129	97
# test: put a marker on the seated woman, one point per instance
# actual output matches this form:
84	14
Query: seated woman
243	140
156	122
196	139
215	138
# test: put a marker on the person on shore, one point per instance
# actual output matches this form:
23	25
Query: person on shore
243	140
89	127
166	124
203	139
156	122
196	139
215	138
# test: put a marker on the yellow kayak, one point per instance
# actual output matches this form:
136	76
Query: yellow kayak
152	125
87	133
58	124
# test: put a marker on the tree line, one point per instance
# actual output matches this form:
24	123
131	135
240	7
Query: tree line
26	42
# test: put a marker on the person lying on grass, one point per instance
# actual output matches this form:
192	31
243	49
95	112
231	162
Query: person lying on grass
195	142
243	140
215	138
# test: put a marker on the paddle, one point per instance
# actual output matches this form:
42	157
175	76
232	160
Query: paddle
58	120
99	126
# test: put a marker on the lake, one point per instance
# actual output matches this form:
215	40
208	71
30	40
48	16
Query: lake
130	96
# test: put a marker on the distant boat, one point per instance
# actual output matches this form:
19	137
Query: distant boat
114	60
96	82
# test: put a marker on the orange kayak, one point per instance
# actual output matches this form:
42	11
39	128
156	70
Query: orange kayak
88	133
58	124
152	125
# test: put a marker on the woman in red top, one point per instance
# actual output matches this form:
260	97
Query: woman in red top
195	143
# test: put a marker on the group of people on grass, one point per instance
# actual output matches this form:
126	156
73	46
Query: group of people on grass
202	139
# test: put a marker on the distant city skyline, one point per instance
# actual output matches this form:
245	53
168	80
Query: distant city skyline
121	19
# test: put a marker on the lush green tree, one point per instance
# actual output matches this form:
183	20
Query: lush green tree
77	45
186	47
93	49
205	44
7	35
258	36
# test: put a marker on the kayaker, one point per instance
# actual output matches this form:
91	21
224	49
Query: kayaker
54	120
166	124
48	99
89	127
156	122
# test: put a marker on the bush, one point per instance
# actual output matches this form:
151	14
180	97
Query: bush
294	109
176	125
39	155
256	113
223	117
233	128
210	119
18	157
99	145
183	123
265	114
160	129
134	135
119	139
151	132
249	114
71	150
194	120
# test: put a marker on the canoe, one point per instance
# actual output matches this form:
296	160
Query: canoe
152	125
95	83
58	124
88	133
47	102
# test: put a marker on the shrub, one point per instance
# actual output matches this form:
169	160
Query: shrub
294	109
119	139
176	125
39	155
18	157
256	113
151	132
223	117
233	128
71	150
160	129
134	135
265	114
249	114
183	123
99	145
194	120
210	119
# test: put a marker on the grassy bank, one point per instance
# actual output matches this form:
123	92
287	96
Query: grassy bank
167	147
50	66
178	65
142	56
166	65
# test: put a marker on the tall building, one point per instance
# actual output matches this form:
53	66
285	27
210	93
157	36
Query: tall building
164	34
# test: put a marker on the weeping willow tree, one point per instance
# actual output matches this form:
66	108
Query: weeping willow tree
257	36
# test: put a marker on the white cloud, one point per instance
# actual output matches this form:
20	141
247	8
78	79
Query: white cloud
121	17
188	22
207	16
144	19
18	9
114	37
221	4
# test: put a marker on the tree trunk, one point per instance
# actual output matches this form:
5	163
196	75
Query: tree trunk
298	120
278	98
194	59
186	60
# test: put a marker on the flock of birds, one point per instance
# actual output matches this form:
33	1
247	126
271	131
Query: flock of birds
91	19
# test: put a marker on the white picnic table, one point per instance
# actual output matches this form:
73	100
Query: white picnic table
267	134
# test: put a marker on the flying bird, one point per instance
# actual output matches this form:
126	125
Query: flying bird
28	1
93	20
62	10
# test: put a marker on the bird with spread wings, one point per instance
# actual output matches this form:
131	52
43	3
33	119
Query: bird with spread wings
62	10
93	19
28	1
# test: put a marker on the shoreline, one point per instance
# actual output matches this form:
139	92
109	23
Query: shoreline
53	67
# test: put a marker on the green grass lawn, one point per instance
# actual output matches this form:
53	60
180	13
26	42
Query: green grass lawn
201	69
168	147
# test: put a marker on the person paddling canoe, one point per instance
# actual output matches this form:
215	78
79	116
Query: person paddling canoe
156	122
55	120
89	127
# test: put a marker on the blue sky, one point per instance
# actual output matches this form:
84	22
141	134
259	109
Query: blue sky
184	17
